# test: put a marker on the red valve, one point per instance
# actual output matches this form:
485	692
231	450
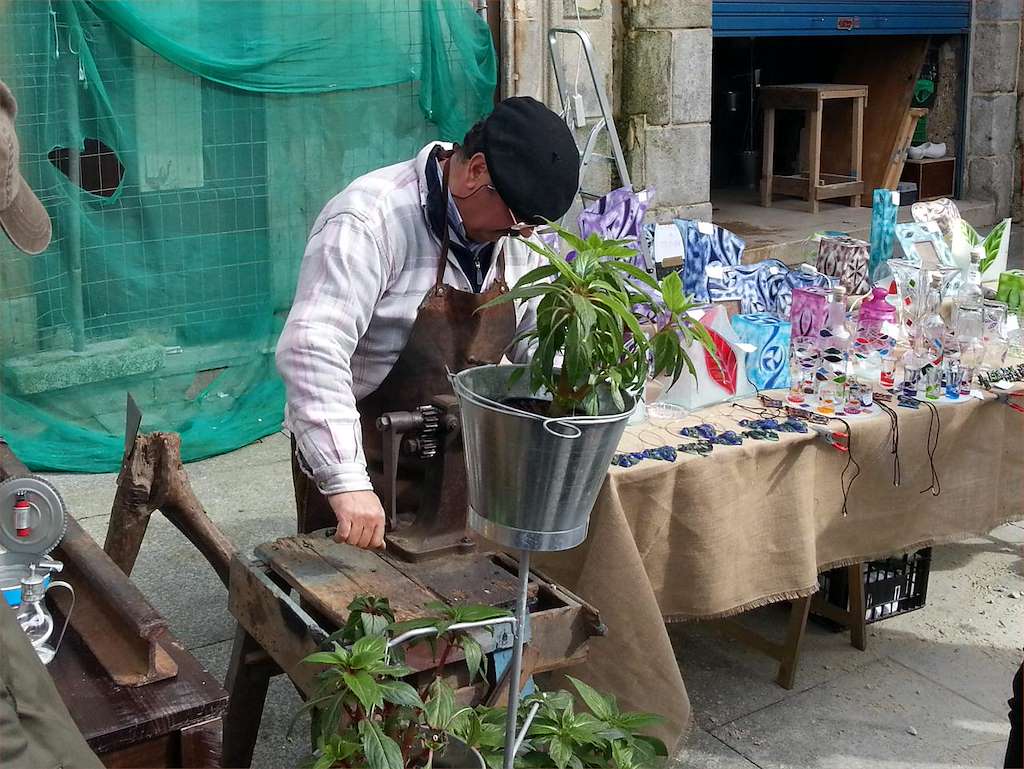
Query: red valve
21	510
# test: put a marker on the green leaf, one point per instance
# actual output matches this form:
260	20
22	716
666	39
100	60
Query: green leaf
374	624
584	311
478	613
366	690
440	704
598	704
656	746
400	693
543	272
367	650
474	657
560	751
622	755
381	751
993	244
672	293
634	722
398	628
323	658
635	272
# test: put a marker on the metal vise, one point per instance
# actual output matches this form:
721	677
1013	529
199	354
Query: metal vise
424	480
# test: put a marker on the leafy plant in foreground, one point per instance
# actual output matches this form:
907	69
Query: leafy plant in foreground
585	317
365	715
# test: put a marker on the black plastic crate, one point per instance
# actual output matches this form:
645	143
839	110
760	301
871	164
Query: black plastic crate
892	586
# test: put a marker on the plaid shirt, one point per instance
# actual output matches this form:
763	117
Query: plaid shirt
369	261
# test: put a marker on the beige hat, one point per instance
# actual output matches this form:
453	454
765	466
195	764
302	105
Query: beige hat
22	216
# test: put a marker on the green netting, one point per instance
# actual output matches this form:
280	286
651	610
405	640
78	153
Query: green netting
234	122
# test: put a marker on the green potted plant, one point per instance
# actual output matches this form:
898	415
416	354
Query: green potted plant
558	420
365	715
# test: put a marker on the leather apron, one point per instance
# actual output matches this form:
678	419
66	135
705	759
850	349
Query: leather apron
448	334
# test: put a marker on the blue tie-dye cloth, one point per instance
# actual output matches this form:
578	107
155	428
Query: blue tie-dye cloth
763	287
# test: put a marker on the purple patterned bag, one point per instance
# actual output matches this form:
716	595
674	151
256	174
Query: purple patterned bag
619	215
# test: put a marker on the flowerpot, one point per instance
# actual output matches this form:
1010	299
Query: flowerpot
532	480
458	755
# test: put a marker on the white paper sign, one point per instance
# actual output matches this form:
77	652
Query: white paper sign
668	243
715	271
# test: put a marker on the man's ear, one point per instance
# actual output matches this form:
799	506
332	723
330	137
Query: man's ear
476	171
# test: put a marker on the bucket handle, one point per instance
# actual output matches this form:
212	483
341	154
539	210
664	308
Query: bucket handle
548	423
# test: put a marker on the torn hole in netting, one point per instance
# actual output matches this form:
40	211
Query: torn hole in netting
100	171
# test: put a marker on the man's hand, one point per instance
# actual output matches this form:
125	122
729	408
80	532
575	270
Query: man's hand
360	519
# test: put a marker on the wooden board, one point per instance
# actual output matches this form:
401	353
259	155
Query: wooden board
894	169
473	578
329	576
113	718
889	67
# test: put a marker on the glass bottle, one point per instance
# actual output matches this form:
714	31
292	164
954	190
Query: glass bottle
834	345
931	334
912	372
968	315
972	351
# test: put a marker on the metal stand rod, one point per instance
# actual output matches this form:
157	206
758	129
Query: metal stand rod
516	668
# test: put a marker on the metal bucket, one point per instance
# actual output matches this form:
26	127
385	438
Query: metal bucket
532	480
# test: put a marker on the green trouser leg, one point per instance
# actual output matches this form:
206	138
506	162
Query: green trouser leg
36	730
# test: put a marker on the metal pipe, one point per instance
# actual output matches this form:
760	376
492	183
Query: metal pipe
427	631
516	668
526	727
73	240
508	43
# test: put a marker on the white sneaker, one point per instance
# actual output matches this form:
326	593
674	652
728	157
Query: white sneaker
934	150
916	153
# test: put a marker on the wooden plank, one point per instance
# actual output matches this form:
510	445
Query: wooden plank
768	158
201	744
791	185
113	718
899	155
843	190
828	179
149	754
784	97
889	66
472	578
266	613
330	575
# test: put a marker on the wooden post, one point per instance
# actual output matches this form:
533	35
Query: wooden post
791	646
156	480
857	146
247	684
768	157
813	154
857	610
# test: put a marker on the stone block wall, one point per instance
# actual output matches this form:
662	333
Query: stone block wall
665	116
993	160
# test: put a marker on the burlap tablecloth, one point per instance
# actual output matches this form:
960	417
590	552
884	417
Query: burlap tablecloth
707	537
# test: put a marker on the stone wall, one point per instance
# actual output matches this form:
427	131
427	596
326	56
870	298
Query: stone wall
666	102
992	131
528	72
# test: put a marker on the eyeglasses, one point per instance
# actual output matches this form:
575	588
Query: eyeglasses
517	227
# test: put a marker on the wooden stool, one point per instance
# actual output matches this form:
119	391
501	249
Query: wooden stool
814	185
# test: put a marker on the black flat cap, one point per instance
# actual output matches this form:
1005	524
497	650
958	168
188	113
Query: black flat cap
532	159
